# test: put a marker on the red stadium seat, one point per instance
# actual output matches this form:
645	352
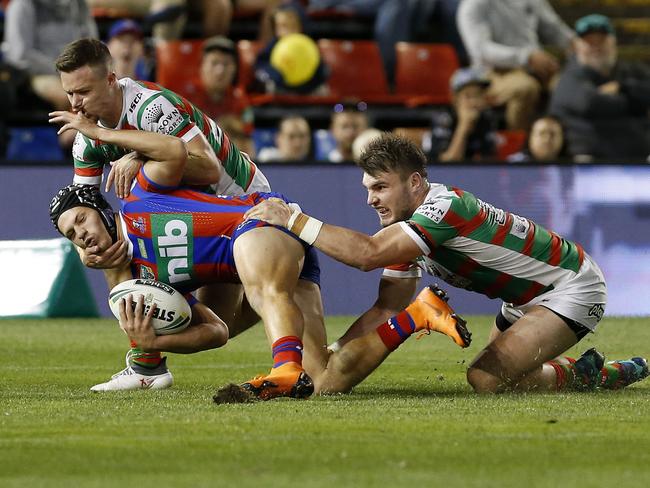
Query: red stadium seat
247	52
423	71
510	142
178	64
356	69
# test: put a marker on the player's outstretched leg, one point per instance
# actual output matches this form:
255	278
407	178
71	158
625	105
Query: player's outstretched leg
431	312
137	377
618	374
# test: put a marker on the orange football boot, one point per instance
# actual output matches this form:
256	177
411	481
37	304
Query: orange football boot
288	380
431	311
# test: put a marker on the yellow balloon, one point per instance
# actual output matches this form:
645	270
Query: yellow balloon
296	57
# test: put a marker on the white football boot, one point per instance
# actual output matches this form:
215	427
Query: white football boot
129	379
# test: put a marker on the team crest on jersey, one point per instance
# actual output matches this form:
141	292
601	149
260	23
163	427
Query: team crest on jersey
140	225
435	209
146	273
78	148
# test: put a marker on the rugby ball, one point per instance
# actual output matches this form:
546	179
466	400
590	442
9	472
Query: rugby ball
173	313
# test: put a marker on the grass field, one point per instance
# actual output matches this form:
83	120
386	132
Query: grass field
413	423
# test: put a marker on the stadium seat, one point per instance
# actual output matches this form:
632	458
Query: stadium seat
510	142
34	144
324	143
263	138
423	71
178	64
356	70
247	52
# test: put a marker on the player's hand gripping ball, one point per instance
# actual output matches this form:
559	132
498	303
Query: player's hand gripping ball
172	314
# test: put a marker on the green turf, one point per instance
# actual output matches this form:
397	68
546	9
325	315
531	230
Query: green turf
413	423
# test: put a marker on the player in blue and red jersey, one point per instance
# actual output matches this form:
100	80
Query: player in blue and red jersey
187	239
87	75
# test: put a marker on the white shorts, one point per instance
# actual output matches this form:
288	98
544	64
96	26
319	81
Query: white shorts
581	298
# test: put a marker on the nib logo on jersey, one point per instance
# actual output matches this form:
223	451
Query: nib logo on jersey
174	246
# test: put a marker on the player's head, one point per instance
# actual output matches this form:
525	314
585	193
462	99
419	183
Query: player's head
82	214
86	69
395	176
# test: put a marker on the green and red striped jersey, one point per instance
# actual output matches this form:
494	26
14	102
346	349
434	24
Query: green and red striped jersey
150	107
474	245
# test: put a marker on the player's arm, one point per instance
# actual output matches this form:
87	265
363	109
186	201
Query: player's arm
207	330
393	296
166	155
203	166
388	246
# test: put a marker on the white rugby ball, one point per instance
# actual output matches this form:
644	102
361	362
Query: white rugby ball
173	313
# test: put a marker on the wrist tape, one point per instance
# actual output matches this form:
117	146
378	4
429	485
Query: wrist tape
305	227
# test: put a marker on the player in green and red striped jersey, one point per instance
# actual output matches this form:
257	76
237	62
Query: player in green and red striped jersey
86	73
85	67
553	293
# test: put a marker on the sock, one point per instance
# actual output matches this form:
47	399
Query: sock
610	376
618	374
418	317
566	376
149	360
287	349
396	330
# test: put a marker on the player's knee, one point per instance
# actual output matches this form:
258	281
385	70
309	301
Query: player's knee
483	382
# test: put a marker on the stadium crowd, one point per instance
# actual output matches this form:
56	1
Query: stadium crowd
300	81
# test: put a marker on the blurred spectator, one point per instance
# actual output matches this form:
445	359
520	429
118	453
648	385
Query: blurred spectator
602	102
290	63
362	140
167	16
545	142
238	132
468	131
35	32
215	90
293	141
505	37
215	15
125	42
348	121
